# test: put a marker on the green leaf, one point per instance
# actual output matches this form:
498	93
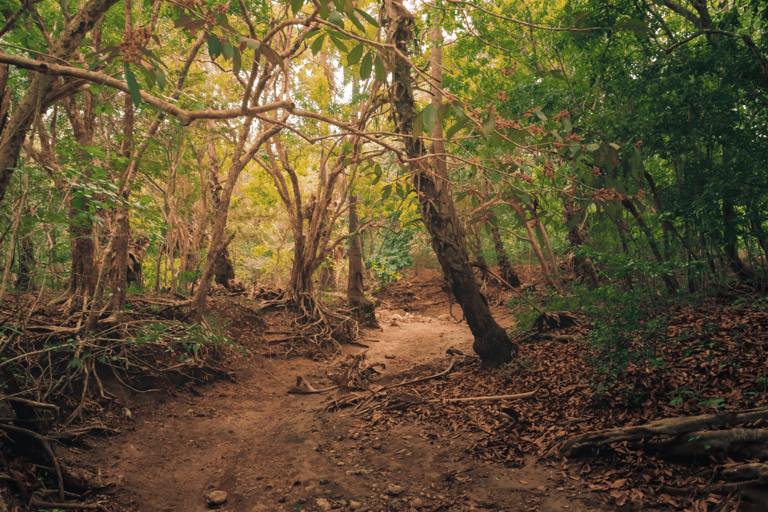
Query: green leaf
593	147
567	125
317	44
133	85
76	362
461	123
354	56
381	72
228	50
149	76
236	62
370	19
214	46
366	65
296	5
639	27
386	192
557	74
356	22
489	124
418	125
429	114
495	176
541	115
160	76
338	43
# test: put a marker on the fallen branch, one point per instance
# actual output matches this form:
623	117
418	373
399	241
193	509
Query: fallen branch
519	396
44	504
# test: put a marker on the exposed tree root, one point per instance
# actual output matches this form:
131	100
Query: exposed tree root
670	427
749	443
691	438
315	322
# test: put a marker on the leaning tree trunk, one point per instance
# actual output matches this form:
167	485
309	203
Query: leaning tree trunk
435	202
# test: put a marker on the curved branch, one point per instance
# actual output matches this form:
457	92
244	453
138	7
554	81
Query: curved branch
185	117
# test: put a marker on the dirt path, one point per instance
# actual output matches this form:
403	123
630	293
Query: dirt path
269	450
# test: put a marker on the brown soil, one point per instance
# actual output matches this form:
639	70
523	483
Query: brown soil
269	450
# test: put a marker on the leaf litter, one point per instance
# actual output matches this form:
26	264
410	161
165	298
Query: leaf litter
711	358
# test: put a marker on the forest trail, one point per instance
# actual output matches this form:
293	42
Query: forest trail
270	450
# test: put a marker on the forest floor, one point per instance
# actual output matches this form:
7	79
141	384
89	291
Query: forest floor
173	441
270	450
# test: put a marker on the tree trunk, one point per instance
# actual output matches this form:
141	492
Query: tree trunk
24	114
737	266
122	234
363	310
583	266
669	281
532	238
431	182
27	262
506	271
548	245
240	158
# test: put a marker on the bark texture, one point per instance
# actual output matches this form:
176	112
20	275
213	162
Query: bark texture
30	106
430	179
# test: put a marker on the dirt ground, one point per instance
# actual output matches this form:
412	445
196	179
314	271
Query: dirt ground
270	450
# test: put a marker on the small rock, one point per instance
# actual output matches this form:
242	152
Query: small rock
389	356
354	505
323	504
395	504
417	503
216	498
394	490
